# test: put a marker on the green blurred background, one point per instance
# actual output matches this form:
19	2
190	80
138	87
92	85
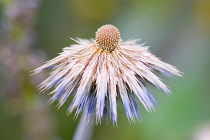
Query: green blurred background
33	31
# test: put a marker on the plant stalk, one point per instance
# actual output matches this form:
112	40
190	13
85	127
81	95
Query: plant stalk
84	130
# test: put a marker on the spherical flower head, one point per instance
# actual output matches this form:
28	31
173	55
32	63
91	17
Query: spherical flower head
99	72
107	37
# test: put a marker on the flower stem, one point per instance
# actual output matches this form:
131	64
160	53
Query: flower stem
85	128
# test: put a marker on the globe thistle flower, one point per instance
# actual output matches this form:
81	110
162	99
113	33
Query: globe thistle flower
99	72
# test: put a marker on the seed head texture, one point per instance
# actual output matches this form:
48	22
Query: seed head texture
107	37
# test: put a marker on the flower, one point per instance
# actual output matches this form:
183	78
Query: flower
99	72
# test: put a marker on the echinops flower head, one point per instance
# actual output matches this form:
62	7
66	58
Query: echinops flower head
99	72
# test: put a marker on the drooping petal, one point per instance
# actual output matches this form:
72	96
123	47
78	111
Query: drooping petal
142	70
128	75
142	54
91	105
112	88
101	86
71	76
125	100
134	105
88	78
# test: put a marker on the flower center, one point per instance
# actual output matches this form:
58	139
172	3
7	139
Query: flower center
107	37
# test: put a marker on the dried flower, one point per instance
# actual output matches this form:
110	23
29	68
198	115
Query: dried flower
98	72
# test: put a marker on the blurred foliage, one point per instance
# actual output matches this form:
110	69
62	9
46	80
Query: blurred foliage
33	31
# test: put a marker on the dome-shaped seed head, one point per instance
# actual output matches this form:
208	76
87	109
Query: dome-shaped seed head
107	37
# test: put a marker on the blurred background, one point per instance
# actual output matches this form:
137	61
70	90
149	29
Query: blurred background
34	31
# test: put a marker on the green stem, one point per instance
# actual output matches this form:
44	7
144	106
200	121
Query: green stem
84	130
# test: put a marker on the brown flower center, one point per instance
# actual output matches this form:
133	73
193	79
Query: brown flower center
107	37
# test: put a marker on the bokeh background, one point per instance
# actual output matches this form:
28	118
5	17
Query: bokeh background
33	31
